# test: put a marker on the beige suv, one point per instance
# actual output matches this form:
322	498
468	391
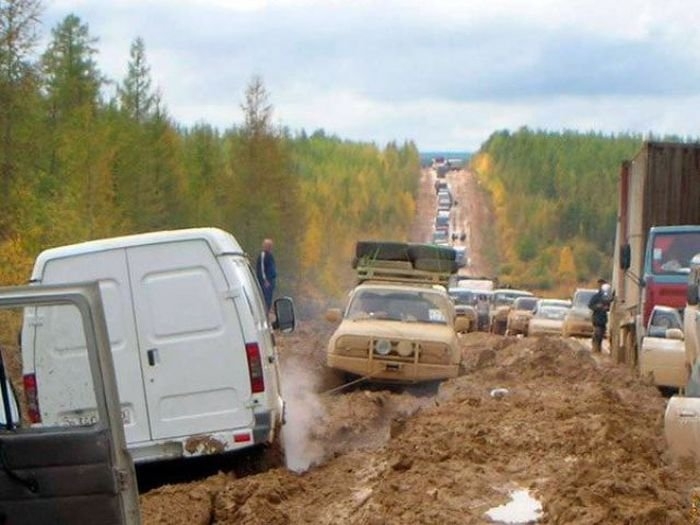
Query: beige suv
520	314
400	324
578	322
501	304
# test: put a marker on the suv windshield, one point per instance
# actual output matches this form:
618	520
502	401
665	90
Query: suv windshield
422	307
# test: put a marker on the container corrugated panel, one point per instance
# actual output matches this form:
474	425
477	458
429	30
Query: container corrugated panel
672	186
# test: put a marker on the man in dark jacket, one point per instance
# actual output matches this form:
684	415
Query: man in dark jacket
266	270
600	305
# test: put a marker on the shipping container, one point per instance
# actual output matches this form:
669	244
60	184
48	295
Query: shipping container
658	217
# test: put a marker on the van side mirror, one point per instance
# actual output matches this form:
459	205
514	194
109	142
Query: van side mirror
625	256
692	294
284	315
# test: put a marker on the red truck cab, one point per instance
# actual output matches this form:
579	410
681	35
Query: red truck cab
667	265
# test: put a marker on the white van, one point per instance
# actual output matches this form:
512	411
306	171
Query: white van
194	355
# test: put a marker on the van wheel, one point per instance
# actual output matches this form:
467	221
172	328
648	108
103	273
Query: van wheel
272	456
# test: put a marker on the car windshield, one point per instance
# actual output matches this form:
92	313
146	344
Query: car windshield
525	303
583	297
555	302
505	298
463	297
393	305
661	320
552	312
672	252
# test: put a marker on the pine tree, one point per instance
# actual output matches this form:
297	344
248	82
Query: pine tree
136	97
19	20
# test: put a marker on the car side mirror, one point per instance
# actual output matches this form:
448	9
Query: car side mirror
692	294
625	256
284	315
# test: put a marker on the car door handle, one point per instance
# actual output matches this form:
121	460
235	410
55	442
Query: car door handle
152	356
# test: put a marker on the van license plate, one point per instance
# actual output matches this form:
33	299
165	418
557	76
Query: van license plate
89	417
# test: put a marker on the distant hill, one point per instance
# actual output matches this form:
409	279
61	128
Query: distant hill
426	157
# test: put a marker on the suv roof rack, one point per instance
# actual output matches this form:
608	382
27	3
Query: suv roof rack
403	262
401	272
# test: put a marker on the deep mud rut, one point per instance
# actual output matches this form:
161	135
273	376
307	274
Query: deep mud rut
581	434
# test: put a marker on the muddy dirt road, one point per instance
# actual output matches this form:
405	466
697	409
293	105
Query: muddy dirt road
576	436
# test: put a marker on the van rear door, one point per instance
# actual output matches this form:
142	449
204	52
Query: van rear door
192	350
59	357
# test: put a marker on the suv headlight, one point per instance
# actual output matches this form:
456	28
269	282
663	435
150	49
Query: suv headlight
404	348
382	347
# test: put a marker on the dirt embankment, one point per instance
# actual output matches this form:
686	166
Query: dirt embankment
581	434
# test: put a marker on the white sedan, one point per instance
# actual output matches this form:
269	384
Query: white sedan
662	356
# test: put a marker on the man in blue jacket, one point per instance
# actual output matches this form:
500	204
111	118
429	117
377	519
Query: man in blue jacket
600	306
266	270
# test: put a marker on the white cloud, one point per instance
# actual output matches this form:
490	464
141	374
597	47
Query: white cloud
446	73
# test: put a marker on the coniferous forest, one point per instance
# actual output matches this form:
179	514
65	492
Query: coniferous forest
76	164
555	196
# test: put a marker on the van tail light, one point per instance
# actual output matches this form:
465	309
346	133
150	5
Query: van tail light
32	395
255	368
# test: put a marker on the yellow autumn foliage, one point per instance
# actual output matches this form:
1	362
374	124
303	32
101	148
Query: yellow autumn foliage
566	271
15	263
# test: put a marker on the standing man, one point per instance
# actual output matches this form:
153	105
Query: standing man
266	270
600	305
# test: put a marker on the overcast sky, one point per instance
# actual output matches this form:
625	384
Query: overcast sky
444	73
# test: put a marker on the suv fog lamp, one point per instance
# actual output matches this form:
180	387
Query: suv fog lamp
382	347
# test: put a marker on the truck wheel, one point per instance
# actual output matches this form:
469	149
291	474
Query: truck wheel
382	250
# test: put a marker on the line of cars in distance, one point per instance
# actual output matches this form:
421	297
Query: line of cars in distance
509	311
444	233
519	312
